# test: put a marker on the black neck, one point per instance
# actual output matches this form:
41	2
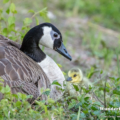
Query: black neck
30	44
35	53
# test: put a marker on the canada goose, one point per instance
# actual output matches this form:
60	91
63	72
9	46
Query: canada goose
26	74
75	77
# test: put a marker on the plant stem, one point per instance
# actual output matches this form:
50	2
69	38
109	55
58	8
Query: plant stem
105	95
118	63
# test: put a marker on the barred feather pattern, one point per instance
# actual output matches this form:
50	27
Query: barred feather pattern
19	71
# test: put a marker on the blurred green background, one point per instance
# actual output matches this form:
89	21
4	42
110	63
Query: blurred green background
90	30
105	13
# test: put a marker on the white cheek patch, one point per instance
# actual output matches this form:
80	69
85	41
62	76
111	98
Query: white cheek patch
46	39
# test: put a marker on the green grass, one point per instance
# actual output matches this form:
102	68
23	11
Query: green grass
107	89
103	12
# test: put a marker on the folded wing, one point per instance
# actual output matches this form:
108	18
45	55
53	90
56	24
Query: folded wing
19	71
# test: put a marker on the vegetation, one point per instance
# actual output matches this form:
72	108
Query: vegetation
100	11
107	86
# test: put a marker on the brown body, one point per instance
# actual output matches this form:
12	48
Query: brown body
19	71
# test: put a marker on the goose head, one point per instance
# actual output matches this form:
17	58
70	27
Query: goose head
75	75
44	34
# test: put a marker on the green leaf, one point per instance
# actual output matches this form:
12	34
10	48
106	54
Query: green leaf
18	103
64	73
22	96
87	98
27	21
12	28
94	108
31	11
43	13
76	87
56	83
50	100
102	88
83	115
29	96
59	65
117	92
5	89
14	95
112	78
11	20
71	105
47	92
15	11
43	48
5	110
92	71
44	10
5	32
2	18
5	1
1	116
1	10
118	79
96	112
73	116
4	101
12	7
8	11
101	72
97	103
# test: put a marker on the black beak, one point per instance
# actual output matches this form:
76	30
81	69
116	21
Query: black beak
62	50
69	79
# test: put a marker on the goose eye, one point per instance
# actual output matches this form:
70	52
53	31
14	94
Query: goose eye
55	35
75	75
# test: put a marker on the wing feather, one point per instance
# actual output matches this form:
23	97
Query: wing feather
19	71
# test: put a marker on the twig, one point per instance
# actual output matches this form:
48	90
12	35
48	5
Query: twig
105	95
98	98
35	14
118	62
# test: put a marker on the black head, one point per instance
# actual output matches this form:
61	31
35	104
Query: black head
47	35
